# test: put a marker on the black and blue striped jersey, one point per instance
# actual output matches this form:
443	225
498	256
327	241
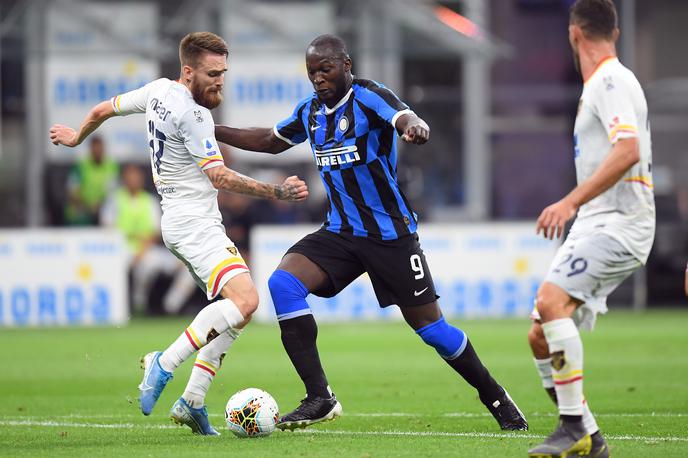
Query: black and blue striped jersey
354	147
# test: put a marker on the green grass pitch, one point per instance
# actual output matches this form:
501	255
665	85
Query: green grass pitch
72	392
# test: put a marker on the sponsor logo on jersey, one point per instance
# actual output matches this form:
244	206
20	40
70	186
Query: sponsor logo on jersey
165	189
337	156
199	116
209	146
233	250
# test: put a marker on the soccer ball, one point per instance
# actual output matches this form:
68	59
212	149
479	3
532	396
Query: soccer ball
251	413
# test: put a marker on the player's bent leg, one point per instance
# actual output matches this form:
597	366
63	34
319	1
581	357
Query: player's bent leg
543	365
213	320
289	285
556	307
453	345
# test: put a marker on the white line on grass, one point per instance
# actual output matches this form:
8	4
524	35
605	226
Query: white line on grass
477	434
372	415
64	424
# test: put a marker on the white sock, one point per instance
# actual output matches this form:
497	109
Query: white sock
210	323
544	369
208	362
588	419
566	351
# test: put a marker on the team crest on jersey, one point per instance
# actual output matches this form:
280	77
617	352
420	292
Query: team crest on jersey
343	124
199	116
232	250
608	83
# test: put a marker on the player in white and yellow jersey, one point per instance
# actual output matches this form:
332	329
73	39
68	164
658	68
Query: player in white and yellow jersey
188	171
613	232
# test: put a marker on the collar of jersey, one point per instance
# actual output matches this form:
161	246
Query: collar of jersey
186	89
342	101
599	65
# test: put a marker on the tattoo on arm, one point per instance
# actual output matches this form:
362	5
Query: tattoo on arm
229	180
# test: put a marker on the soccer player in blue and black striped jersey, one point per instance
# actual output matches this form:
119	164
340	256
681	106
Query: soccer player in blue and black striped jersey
352	125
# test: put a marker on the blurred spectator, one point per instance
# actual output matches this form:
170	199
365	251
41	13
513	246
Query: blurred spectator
136	213
239	214
88	185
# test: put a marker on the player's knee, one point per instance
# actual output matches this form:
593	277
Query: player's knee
448	341
547	305
247	303
288	295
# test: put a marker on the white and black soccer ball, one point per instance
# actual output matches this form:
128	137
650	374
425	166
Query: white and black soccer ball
251	413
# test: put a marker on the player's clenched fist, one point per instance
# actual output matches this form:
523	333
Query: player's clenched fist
63	135
416	134
293	189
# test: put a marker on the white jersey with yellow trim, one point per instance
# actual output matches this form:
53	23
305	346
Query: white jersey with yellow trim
613	107
181	138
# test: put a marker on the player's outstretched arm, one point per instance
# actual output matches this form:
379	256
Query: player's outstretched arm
64	135
261	139
413	129
225	179
624	155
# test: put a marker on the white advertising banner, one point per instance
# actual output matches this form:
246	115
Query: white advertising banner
63	277
267	69
104	50
479	270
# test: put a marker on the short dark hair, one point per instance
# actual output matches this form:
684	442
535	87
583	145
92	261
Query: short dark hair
333	44
195	44
597	18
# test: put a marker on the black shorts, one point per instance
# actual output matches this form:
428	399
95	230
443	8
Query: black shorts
397	268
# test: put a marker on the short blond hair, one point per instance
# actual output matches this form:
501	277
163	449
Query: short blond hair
195	44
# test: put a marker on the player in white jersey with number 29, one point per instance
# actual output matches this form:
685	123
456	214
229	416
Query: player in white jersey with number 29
188	171
613	232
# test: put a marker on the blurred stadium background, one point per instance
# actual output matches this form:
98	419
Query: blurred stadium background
494	79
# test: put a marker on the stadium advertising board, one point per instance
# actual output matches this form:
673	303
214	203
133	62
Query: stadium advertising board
65	277
267	70
479	270
104	50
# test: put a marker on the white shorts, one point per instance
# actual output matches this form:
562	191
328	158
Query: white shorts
589	268
206	250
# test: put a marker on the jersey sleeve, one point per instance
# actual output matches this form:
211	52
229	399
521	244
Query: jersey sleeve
133	101
384	102
292	129
614	107
197	129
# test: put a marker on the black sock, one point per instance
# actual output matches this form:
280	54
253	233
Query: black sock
469	366
552	395
298	337
571	418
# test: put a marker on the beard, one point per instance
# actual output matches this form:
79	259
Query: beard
205	97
